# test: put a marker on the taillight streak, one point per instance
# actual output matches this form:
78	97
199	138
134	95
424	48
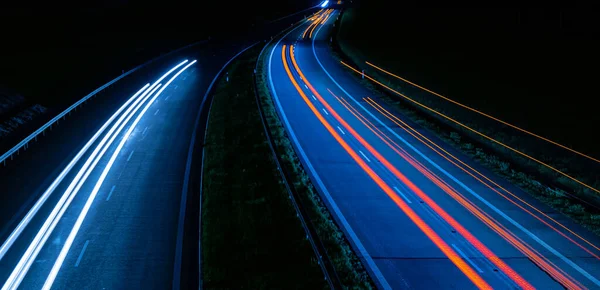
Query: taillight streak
424	227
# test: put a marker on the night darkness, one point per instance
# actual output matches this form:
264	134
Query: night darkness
264	158
535	65
47	48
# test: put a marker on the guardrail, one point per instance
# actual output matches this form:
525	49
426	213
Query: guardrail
33	136
323	259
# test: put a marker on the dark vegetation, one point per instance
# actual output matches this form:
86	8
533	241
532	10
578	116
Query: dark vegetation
528	75
348	267
251	237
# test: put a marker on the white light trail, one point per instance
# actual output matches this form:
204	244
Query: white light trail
45	231
90	200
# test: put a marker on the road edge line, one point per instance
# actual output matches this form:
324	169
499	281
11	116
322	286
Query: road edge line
364	256
183	204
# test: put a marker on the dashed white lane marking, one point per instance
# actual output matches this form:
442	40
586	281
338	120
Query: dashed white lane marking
341	130
325	111
130	155
156	112
466	258
111	192
365	156
82	252
402	194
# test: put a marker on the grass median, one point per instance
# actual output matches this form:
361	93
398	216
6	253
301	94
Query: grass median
251	237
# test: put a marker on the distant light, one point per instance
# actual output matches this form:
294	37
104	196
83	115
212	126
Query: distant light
324	4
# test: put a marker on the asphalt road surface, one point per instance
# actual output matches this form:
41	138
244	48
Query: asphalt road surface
416	219
123	213
124	231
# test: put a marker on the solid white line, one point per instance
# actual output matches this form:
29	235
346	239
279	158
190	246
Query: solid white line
156	112
178	248
467	258
130	155
365	156
69	241
50	223
402	194
111	192
362	251
468	189
341	130
325	111
33	211
82	252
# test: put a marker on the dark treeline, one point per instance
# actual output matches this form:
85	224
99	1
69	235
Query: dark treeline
52	53
533	65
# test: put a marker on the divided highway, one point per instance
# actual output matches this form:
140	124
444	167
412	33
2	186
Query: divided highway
419	214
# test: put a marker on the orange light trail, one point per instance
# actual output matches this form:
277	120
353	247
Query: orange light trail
493	224
482	113
320	21
424	227
442	213
317	16
437	150
472	130
314	24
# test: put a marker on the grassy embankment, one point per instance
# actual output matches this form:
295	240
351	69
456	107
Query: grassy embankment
554	189
251	237
349	269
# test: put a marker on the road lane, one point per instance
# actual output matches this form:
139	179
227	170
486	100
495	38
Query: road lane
401	252
139	236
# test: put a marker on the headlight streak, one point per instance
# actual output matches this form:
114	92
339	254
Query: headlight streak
64	251
40	202
36	207
47	228
45	231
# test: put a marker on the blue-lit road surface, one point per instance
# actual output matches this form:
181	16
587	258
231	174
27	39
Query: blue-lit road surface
416	220
113	220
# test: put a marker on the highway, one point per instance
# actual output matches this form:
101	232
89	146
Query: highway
115	220
420	214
